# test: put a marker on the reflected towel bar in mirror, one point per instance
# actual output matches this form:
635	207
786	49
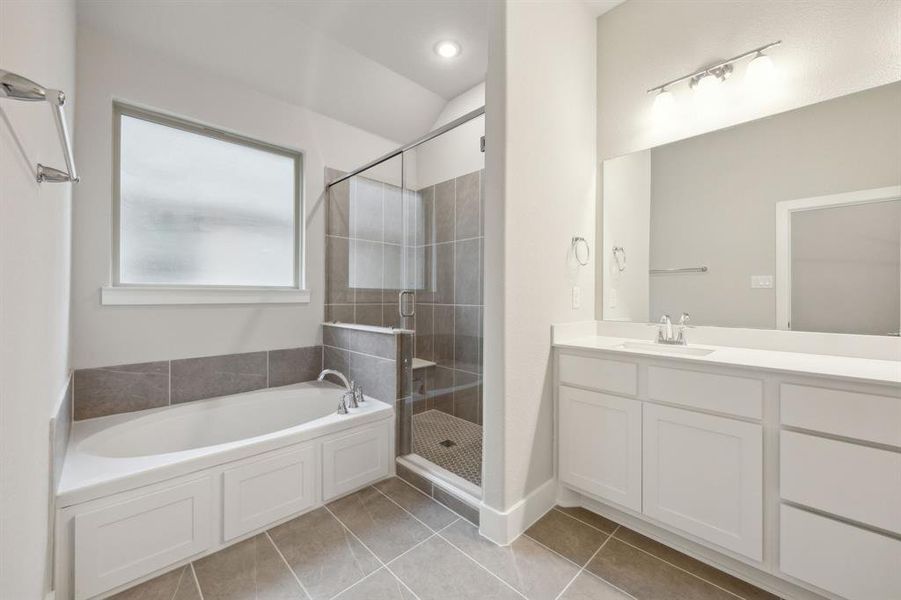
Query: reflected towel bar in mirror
701	269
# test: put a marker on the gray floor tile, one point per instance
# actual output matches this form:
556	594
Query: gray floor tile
168	586
381	585
414	501
702	570
563	534
593	519
323	554
249	570
588	587
463	509
438	571
384	527
535	571
649	578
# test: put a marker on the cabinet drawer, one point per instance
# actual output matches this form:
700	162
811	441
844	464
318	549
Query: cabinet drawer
851	481
598	373
119	543
350	461
850	414
854	563
265	490
600	445
738	396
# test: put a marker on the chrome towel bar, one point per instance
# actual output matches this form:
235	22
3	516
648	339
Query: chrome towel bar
701	269
16	87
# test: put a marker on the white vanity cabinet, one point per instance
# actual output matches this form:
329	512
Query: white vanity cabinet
791	479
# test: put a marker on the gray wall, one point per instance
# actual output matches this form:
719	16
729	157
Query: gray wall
713	198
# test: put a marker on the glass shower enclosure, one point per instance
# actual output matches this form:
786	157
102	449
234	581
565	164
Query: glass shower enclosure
404	249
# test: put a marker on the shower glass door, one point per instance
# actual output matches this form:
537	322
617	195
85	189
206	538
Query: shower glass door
442	271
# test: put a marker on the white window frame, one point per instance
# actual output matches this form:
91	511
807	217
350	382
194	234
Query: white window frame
119	293
784	211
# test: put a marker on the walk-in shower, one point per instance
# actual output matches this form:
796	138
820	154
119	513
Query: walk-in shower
404	249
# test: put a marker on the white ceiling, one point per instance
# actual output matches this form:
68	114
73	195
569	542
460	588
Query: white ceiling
368	63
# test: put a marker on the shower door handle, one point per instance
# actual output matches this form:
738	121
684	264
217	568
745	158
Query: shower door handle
400	303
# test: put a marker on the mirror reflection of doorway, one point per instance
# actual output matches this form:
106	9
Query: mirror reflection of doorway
841	255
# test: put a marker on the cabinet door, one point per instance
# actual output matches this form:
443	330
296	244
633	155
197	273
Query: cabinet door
264	490
704	475
600	445
119	543
352	460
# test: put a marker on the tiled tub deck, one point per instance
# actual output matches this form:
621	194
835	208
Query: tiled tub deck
391	542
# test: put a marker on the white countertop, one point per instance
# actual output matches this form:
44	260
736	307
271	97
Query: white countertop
861	369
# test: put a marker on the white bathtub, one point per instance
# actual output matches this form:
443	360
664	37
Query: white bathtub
161	486
119	452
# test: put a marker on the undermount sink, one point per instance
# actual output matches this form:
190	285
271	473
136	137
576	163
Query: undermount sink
665	348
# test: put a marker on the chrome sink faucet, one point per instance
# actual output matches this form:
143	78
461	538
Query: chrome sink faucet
666	334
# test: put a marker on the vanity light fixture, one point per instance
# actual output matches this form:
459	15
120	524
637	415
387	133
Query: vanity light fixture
708	78
447	49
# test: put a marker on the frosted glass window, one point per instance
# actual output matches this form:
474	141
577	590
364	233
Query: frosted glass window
204	208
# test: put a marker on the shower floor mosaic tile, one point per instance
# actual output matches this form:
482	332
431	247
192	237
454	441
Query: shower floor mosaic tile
449	442
389	541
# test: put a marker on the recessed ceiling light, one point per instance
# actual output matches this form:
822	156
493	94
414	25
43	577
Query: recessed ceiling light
447	49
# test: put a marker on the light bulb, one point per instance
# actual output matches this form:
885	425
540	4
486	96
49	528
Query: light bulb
707	83
663	102
760	70
447	49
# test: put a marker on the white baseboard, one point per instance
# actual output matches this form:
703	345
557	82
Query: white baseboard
502	527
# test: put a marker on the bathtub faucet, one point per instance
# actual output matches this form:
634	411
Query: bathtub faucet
337	374
351	397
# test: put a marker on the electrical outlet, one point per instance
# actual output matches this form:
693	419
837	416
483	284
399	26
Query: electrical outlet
577	297
761	282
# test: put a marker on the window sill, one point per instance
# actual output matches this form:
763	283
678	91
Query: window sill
150	296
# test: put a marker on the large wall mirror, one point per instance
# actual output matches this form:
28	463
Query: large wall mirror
788	222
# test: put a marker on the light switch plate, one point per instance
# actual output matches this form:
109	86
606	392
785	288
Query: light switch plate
761	282
577	297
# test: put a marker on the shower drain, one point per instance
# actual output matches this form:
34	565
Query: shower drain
448	443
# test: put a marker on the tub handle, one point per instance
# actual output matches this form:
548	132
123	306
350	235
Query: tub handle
358	394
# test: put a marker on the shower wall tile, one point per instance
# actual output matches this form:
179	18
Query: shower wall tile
293	365
441	392
467	328
338	206
339	313
392	281
445	207
424	327
444	273
337	271
211	376
467	394
426	217
467	272
444	335
368	314
374	343
391	316
467	211
123	388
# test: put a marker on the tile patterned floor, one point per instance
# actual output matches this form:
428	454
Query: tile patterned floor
464	458
392	542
